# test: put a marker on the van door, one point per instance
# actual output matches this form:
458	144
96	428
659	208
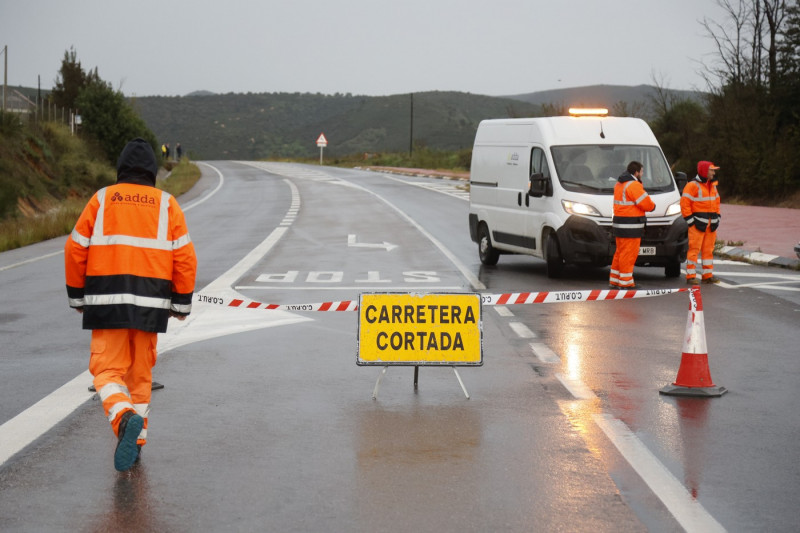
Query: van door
537	206
509	230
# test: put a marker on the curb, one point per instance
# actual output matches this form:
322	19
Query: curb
757	258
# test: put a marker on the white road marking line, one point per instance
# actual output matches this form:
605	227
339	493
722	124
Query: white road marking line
772	285
689	513
444	188
502	310
349	288
31	260
727	262
577	388
544	354
39	418
522	330
467	273
789	277
209	195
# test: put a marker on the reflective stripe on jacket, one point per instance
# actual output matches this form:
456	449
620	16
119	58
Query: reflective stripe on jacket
130	259
700	204
631	202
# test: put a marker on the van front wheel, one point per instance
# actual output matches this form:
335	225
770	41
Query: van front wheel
552	255
486	251
673	269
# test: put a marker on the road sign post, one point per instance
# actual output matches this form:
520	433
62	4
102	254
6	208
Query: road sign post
322	142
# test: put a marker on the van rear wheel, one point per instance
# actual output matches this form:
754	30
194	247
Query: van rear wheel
552	255
488	254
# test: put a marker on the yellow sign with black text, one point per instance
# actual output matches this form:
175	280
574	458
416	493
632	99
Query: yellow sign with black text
420	329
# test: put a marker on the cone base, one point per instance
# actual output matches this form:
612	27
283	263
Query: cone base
703	392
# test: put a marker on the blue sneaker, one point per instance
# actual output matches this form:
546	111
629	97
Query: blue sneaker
127	450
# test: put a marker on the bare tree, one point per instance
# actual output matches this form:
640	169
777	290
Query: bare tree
747	41
775	14
663	99
789	46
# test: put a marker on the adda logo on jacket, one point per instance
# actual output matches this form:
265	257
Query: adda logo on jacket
137	198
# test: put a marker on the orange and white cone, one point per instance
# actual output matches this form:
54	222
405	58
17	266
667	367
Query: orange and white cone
694	377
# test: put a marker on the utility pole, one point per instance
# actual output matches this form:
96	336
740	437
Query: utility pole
5	75
411	128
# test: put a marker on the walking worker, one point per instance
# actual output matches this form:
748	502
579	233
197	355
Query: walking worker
130	265
700	209
631	202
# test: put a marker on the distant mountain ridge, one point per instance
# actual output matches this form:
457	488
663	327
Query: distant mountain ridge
286	125
601	95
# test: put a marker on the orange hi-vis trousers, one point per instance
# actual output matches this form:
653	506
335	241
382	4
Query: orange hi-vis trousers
700	243
623	262
122	365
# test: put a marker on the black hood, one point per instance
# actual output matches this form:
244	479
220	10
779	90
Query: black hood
137	163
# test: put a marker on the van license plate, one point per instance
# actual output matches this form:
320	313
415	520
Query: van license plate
647	250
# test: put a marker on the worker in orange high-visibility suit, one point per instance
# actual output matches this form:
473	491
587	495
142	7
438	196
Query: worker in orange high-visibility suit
631	202
130	265
700	208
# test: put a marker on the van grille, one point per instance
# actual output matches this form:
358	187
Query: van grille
655	233
652	233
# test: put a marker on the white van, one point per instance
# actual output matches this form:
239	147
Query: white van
545	187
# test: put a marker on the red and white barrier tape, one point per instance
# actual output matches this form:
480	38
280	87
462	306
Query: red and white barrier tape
513	298
347	305
571	296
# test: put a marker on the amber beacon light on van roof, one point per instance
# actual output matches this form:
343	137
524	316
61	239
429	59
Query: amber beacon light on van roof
588	112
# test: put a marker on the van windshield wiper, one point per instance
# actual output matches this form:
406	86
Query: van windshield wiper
665	188
590	187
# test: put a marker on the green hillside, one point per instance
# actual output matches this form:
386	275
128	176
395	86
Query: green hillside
286	125
608	96
44	165
275	125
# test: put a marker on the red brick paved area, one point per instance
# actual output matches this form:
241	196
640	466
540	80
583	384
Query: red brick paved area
770	230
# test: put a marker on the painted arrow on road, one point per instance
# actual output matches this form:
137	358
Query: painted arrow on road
351	241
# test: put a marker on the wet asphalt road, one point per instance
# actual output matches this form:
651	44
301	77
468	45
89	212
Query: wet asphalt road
267	424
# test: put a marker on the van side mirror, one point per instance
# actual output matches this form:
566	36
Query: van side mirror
539	186
681	180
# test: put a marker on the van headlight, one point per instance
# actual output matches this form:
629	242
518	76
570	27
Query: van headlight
577	208
674	209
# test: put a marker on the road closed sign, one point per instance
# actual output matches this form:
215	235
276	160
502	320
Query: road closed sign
420	329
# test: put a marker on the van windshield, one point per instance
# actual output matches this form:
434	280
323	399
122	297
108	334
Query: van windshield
595	168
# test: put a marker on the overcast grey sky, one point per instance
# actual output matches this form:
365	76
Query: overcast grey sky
369	47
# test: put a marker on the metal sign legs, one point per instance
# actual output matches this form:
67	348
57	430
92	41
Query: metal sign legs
416	381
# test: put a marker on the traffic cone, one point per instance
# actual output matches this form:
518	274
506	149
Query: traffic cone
694	377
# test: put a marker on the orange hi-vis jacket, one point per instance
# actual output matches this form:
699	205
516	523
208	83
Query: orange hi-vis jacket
631	202
130	260
700	204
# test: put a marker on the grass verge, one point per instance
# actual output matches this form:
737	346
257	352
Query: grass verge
182	177
60	218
